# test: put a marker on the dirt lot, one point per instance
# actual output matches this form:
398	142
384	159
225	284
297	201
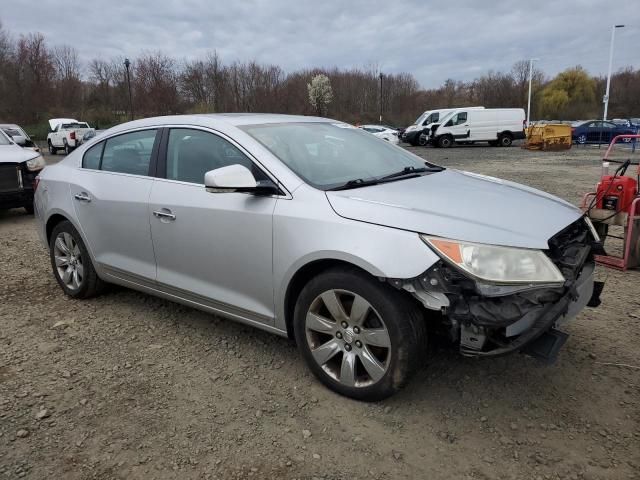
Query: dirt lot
128	386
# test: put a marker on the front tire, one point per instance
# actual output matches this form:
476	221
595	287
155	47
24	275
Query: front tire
71	263
360	337
52	150
446	141
67	148
422	140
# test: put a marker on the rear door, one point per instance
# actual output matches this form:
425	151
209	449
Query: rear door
111	193
213	248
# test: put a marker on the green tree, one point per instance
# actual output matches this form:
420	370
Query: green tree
570	95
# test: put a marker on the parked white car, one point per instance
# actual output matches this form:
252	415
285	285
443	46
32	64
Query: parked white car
382	131
498	126
65	134
19	136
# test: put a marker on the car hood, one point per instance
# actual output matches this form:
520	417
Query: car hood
462	206
16	154
54	122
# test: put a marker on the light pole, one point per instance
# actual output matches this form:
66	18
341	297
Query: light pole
127	64
605	99
529	98
380	97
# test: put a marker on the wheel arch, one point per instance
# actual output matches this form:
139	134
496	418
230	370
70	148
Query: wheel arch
57	217
302	276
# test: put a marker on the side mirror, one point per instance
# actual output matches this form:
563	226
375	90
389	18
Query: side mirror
231	178
237	178
19	139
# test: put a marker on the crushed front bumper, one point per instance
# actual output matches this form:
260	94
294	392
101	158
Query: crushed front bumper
489	320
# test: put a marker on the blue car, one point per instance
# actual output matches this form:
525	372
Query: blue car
598	131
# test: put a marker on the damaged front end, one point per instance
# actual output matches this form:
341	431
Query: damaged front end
489	319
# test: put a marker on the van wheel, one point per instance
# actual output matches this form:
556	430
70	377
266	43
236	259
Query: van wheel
52	150
505	140
445	141
359	337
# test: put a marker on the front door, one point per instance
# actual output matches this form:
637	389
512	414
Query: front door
211	248
459	126
110	194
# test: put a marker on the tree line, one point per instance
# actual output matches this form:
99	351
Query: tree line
40	81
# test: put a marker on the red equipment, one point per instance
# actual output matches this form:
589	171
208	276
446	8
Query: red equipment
616	201
616	193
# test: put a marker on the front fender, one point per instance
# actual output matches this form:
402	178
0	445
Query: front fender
307	230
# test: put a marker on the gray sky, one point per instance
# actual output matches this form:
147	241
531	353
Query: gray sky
459	39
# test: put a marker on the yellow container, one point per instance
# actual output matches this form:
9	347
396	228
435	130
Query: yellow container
551	136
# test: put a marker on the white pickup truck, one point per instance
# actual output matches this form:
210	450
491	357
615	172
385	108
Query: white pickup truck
65	134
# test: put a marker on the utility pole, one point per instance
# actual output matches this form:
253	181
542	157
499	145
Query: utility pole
127	63
605	99
380	97
529	100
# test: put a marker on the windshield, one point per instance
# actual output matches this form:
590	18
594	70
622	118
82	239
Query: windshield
326	155
421	118
12	132
4	140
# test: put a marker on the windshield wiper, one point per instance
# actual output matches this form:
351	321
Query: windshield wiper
405	172
411	171
358	182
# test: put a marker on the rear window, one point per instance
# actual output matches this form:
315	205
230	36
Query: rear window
92	157
126	153
69	126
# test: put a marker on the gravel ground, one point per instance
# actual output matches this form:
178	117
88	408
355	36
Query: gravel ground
128	386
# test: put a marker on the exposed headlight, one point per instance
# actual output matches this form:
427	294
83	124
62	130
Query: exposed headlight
36	163
596	237
496	264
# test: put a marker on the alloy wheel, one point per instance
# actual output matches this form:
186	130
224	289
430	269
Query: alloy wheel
347	338
68	260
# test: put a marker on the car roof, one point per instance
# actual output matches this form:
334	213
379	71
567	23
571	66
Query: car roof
9	125
219	119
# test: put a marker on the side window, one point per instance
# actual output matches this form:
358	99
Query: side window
129	153
192	153
459	118
433	118
91	158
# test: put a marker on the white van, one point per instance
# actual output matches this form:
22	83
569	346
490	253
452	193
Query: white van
413	133
498	126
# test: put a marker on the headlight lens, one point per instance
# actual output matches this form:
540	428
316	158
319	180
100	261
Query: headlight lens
36	163
496	264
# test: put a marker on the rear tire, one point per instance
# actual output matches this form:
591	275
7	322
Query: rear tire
371	355
71	263
67	148
505	140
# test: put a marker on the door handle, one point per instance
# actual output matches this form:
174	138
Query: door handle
164	214
82	197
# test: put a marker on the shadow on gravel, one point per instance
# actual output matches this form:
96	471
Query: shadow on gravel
446	377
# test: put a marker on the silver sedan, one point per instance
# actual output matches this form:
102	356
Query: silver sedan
313	229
